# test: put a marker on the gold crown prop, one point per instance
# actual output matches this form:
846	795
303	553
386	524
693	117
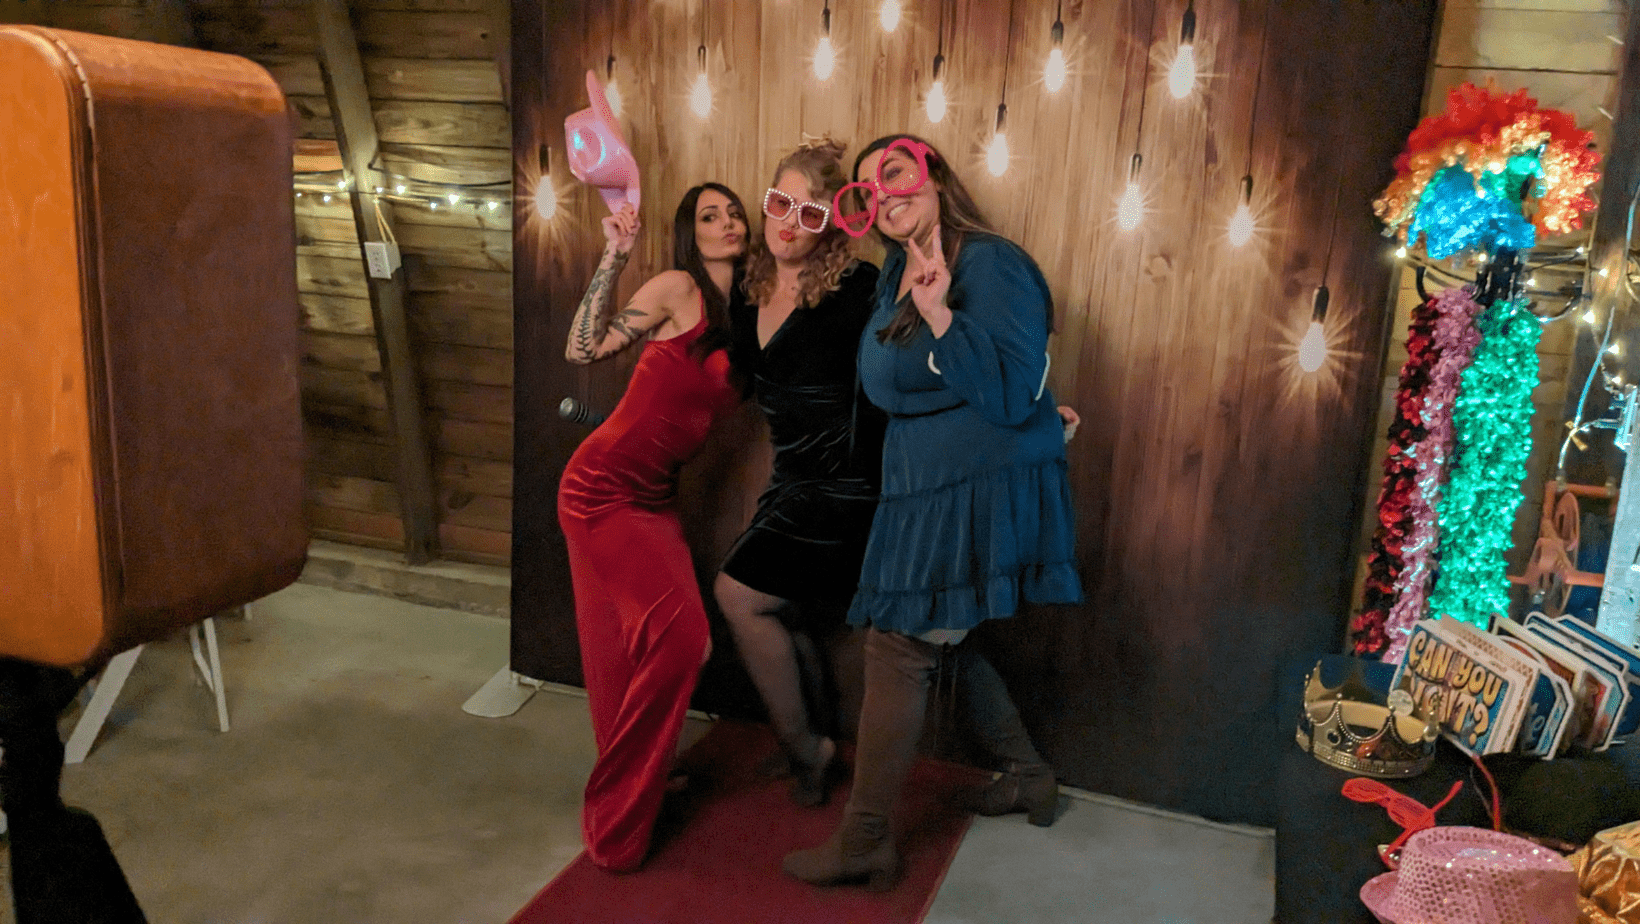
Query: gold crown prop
1343	728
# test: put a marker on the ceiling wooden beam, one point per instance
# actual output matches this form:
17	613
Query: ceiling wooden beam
343	74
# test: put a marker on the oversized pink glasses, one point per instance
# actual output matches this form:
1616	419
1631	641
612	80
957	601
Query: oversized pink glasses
893	179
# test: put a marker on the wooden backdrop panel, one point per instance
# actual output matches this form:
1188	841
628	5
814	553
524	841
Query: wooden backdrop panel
1215	481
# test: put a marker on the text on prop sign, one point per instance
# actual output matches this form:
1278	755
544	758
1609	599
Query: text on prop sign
1449	687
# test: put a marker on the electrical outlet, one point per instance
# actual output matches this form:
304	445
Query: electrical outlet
382	258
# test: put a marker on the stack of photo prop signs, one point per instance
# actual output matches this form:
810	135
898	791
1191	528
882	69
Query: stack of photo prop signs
1539	687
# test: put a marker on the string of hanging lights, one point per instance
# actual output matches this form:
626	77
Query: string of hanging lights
325	185
1181	78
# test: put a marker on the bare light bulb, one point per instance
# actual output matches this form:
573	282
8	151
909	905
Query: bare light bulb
1131	208
700	96
996	154
1400	253
1181	77
1588	316
825	58
1053	76
1241	226
1616	349
934	105
1312	350
889	15
399	189
546	199
612	93
1241	223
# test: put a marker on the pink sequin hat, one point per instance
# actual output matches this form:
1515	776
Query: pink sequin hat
598	154
1458	875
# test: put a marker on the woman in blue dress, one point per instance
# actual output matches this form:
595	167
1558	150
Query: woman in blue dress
975	515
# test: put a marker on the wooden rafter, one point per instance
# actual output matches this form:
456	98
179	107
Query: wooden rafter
343	75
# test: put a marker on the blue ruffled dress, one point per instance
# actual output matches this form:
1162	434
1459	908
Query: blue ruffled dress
976	510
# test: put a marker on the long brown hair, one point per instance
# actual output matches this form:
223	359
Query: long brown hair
820	163
686	256
959	217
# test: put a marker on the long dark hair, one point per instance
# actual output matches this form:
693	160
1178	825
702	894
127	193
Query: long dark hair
686	257
959	217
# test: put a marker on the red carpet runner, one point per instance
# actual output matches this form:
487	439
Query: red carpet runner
717	852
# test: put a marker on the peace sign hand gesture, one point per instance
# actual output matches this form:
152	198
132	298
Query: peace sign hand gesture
930	281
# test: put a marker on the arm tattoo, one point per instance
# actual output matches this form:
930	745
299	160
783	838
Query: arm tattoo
586	331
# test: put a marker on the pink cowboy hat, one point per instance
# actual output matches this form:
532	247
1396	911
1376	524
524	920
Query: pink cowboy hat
1458	875
598	154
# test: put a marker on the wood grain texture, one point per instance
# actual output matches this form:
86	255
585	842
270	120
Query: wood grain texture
1216	484
434	104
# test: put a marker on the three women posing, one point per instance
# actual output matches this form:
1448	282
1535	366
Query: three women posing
975	512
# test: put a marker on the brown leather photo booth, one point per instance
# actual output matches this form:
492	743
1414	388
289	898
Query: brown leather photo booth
150	430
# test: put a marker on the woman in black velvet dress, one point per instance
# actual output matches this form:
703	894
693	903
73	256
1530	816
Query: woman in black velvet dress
808	300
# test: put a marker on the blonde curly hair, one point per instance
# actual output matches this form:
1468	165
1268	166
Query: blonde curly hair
820	163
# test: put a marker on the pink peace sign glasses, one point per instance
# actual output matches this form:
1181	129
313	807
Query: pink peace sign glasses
896	177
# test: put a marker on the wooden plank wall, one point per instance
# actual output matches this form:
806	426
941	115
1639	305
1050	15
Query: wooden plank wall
436	92
1566	53
1216	483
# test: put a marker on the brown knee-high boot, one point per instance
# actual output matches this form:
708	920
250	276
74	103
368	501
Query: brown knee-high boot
897	672
1027	783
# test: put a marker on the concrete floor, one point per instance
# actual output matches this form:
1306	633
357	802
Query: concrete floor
352	788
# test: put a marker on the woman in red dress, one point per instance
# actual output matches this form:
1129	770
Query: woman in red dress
638	609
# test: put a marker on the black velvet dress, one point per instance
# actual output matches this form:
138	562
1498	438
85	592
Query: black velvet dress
808	537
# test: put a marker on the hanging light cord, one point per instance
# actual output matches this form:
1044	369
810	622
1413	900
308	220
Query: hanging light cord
1332	235
1258	84
939	34
1144	92
1007	53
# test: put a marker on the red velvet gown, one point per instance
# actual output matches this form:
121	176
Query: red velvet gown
638	608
